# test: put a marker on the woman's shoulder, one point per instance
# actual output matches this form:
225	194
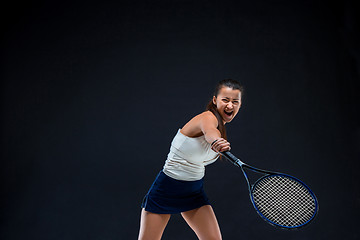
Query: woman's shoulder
208	115
193	127
204	115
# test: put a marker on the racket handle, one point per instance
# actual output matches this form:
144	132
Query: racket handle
232	158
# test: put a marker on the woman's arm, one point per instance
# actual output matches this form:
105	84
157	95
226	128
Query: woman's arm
208	125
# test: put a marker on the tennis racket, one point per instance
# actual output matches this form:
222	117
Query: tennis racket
281	200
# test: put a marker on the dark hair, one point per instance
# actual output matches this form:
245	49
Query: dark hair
212	107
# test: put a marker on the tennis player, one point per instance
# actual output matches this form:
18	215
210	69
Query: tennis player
178	188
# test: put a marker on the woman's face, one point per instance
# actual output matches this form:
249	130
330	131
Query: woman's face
228	102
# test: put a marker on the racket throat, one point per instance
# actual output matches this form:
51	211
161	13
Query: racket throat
246	178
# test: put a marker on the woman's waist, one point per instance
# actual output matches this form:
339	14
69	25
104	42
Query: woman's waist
184	172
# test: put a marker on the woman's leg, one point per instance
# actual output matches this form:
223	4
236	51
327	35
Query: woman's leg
203	221
152	225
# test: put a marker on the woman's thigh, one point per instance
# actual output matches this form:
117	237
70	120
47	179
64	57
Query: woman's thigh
152	225
203	221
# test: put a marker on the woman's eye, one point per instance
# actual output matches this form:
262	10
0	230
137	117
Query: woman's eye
225	100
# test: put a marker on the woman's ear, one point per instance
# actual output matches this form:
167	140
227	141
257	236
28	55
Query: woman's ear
214	100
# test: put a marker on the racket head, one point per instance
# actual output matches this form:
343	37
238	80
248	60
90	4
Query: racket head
284	201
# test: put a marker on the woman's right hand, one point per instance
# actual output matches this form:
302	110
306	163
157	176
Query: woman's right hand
221	145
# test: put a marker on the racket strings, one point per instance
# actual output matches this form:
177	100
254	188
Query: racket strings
284	201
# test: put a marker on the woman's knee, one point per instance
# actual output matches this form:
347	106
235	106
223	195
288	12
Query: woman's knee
209	235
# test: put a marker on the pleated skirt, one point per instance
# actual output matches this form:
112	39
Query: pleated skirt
170	196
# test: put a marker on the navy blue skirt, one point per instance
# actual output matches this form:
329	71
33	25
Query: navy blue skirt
171	196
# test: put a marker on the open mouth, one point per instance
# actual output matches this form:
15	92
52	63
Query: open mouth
228	113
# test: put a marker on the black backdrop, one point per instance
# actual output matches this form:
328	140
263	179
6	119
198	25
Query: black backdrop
92	95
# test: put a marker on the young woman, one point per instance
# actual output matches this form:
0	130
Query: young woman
178	188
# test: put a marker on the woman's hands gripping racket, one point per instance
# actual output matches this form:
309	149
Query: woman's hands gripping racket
279	199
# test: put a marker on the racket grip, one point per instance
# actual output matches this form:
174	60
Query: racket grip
231	157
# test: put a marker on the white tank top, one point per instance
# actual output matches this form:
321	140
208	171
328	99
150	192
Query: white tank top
188	157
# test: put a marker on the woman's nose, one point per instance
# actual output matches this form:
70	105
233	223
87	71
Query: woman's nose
230	105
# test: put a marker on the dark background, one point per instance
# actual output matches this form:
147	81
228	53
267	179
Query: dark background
92	95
